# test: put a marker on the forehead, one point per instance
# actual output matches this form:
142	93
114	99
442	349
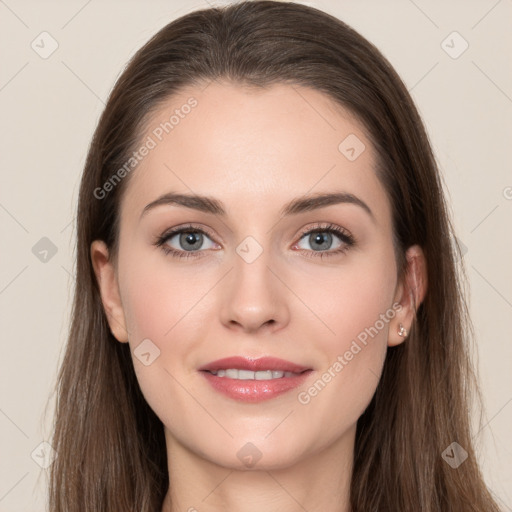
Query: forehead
252	148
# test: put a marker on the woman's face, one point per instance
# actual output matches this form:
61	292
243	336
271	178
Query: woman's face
258	283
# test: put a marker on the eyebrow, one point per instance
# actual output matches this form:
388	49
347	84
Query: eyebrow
299	205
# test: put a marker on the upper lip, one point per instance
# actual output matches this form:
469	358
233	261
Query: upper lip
260	364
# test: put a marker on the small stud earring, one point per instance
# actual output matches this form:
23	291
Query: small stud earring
402	331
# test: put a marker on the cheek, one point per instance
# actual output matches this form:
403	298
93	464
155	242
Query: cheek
355	306
166	303
158	296
162	304
350	299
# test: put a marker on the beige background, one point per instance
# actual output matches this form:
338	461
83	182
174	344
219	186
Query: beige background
50	108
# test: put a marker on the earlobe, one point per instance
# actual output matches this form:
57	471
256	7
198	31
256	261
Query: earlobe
409	294
107	282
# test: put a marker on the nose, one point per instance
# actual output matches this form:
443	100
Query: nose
254	297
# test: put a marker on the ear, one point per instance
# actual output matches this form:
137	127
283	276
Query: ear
409	294
109	289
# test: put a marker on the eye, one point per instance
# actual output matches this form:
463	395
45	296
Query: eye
189	240
321	239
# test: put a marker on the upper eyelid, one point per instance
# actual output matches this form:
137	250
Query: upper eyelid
329	227
185	229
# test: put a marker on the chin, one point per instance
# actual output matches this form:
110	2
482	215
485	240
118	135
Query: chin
254	455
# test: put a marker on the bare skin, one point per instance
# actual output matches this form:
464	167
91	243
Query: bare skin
255	151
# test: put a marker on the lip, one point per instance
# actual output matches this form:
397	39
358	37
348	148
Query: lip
254	390
245	363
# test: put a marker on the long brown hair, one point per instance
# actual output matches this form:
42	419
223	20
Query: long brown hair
110	444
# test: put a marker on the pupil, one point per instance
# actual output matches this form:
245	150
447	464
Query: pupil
325	238
191	239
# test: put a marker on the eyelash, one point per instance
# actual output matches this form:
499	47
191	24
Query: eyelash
347	239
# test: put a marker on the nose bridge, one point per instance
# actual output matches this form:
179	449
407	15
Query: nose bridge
253	260
254	296
251	270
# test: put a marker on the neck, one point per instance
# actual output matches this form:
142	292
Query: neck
318	482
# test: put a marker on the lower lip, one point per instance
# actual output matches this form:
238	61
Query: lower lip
255	390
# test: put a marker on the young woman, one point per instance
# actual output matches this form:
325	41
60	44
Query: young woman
268	313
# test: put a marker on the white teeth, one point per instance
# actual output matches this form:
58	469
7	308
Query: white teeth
233	373
266	375
245	374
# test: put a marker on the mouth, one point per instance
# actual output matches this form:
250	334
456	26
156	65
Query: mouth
236	373
254	380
